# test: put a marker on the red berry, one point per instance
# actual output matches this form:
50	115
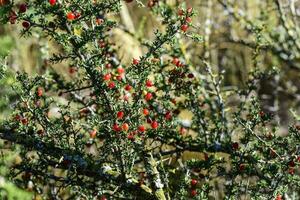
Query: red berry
149	121
71	16
154	124
194	182
206	157
176	61
292	163
121	70
130	136
278	197
108	66
111	85
102	44
26	24
116	128
107	77
125	127
24	121
148	96
135	61
180	12
77	15
119	78
134	132
193	193
120	114
12	17
189	10
184	27
145	111
93	134
168	115
126	97
40	132
141	128
292	170
72	70
128	87
190	75
52	2
241	167
4	2
99	21
18	117
103	198
151	3
182	130
39	91
22	8
235	145
149	83
188	19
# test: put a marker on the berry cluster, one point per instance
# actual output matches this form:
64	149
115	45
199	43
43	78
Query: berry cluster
123	130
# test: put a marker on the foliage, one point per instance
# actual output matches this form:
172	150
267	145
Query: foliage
117	130
7	189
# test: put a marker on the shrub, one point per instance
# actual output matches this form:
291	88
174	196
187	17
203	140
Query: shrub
119	130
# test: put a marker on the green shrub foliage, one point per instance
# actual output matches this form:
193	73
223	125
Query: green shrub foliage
163	126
